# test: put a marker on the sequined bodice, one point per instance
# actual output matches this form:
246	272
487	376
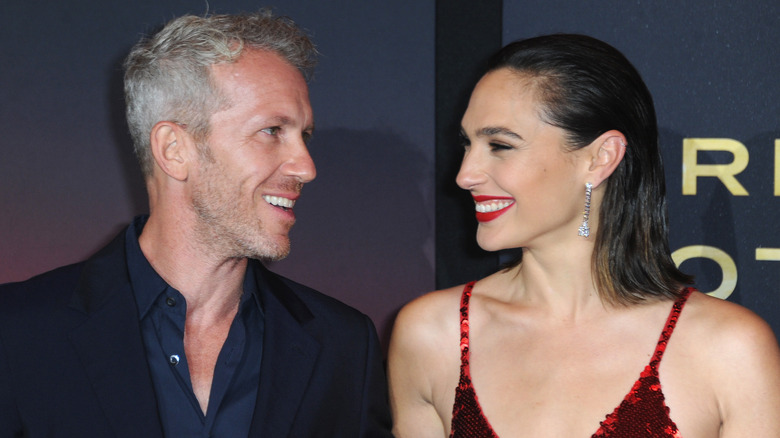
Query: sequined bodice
642	413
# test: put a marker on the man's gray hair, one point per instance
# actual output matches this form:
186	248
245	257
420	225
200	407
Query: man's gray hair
167	75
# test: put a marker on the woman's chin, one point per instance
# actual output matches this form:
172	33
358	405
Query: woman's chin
492	244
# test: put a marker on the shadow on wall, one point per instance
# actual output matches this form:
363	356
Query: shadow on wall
365	231
706	218
365	225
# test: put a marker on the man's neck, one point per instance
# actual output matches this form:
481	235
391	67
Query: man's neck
211	284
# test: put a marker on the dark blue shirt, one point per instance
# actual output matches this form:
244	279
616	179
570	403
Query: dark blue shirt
162	310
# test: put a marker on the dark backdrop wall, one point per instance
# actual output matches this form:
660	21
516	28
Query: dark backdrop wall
384	222
712	67
69	182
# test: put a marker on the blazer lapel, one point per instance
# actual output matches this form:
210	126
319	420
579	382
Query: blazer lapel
110	346
289	356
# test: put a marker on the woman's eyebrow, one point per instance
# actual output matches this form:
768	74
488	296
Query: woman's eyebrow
498	130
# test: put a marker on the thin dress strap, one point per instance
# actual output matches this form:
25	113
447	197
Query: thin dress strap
671	322
464	325
468	421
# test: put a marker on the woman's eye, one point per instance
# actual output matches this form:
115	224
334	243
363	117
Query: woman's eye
464	142
495	147
271	131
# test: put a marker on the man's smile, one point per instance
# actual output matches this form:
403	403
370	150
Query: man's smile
279	201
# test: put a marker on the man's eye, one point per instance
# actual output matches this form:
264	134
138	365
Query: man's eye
271	131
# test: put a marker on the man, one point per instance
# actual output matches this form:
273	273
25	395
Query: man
175	328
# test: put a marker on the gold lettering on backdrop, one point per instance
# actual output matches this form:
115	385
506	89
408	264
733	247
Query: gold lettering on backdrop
777	167
691	169
768	254
720	257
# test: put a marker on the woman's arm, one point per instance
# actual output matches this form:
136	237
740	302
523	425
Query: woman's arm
420	360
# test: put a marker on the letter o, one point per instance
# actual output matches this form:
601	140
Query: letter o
720	257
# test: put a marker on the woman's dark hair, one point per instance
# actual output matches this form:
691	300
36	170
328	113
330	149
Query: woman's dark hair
587	87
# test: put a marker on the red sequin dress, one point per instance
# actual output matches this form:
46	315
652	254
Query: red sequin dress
642	413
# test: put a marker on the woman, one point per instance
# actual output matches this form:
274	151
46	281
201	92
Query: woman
565	342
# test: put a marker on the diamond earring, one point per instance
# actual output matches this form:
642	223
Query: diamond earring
584	229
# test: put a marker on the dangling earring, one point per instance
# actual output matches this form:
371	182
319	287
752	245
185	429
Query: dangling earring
584	229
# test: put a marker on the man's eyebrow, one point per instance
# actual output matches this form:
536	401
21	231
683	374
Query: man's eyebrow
278	120
285	121
498	130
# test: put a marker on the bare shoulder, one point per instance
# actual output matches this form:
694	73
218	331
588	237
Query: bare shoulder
438	302
738	353
728	326
423	364
427	321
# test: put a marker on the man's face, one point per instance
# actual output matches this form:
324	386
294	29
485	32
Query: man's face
257	160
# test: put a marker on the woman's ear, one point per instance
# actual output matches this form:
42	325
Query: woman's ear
169	143
607	151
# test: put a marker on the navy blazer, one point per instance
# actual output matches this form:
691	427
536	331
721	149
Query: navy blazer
72	360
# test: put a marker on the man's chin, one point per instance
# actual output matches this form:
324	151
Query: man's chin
272	252
271	257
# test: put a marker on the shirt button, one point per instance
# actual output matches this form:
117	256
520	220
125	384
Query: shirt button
173	359
170	301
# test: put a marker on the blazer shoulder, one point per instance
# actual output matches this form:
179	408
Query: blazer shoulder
52	287
319	304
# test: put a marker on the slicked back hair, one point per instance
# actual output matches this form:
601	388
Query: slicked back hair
587	87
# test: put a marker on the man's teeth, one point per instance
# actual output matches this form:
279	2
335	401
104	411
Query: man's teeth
279	201
490	206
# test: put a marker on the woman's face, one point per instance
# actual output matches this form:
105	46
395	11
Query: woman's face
528	190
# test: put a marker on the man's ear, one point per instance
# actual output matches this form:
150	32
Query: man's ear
606	152
169	149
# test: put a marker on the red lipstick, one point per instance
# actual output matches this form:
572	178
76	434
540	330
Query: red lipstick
487	216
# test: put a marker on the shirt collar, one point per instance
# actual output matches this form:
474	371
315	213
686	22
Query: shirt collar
148	285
